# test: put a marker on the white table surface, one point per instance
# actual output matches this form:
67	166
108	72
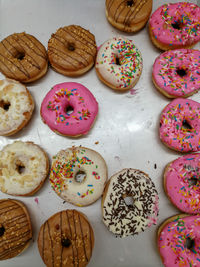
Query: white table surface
126	128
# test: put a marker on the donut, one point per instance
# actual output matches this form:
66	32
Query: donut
175	25
24	167
66	239
119	63
141	211
176	73
78	175
72	50
180	125
178	241
23	58
128	15
181	183
16	107
15	228
69	109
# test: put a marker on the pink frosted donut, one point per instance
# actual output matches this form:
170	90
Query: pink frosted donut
69	109
180	125
182	183
176	73
175	26
179	241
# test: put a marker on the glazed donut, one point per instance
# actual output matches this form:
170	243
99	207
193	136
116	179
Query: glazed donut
69	165
16	107
175	25
24	167
69	109
129	219
72	50
176	72
128	15
181	183
66	239
23	58
15	228
119	63
180	125
178	241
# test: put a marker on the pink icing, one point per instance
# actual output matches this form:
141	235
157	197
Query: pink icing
75	95
187	63
164	20
182	181
173	244
174	125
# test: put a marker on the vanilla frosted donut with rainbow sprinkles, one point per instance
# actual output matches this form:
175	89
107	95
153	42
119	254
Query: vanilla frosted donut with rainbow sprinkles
78	175
119	63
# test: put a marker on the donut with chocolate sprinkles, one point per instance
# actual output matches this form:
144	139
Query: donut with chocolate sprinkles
129	203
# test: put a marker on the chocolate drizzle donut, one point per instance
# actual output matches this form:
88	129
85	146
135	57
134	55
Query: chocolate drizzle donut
124	219
66	239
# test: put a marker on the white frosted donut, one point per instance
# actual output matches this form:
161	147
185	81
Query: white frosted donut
119	63
129	219
24	167
68	165
16	106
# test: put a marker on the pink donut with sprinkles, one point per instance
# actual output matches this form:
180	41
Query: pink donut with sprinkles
182	183
119	63
69	109
175	25
176	73
180	125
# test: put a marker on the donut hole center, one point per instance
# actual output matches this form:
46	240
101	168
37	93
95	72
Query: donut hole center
186	125
128	200
117	60
178	25
71	46
69	109
20	55
80	176
2	230
192	181
4	105
181	72
66	242
130	3
189	243
20	167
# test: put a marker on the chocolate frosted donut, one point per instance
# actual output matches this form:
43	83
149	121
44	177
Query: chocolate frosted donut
131	218
66	239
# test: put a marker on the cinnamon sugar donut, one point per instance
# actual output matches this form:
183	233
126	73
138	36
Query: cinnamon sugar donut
66	239
16	107
23	57
72	50
15	228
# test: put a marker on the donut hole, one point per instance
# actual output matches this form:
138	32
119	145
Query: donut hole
189	243
66	242
71	46
4	105
69	110
178	25
20	167
130	3
186	125
192	181
20	55
181	72
128	200
2	231
80	176
117	60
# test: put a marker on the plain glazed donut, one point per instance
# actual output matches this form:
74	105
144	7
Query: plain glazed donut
175	25
180	125
16	107
72	50
23	58
128	15
119	63
69	109
15	228
176	73
24	167
68	164
181	183
123	219
66	239
178	241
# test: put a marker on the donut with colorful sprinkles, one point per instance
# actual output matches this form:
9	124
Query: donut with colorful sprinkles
178	241
175	25
180	125
119	63
129	203
182	183
69	109
176	73
78	175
